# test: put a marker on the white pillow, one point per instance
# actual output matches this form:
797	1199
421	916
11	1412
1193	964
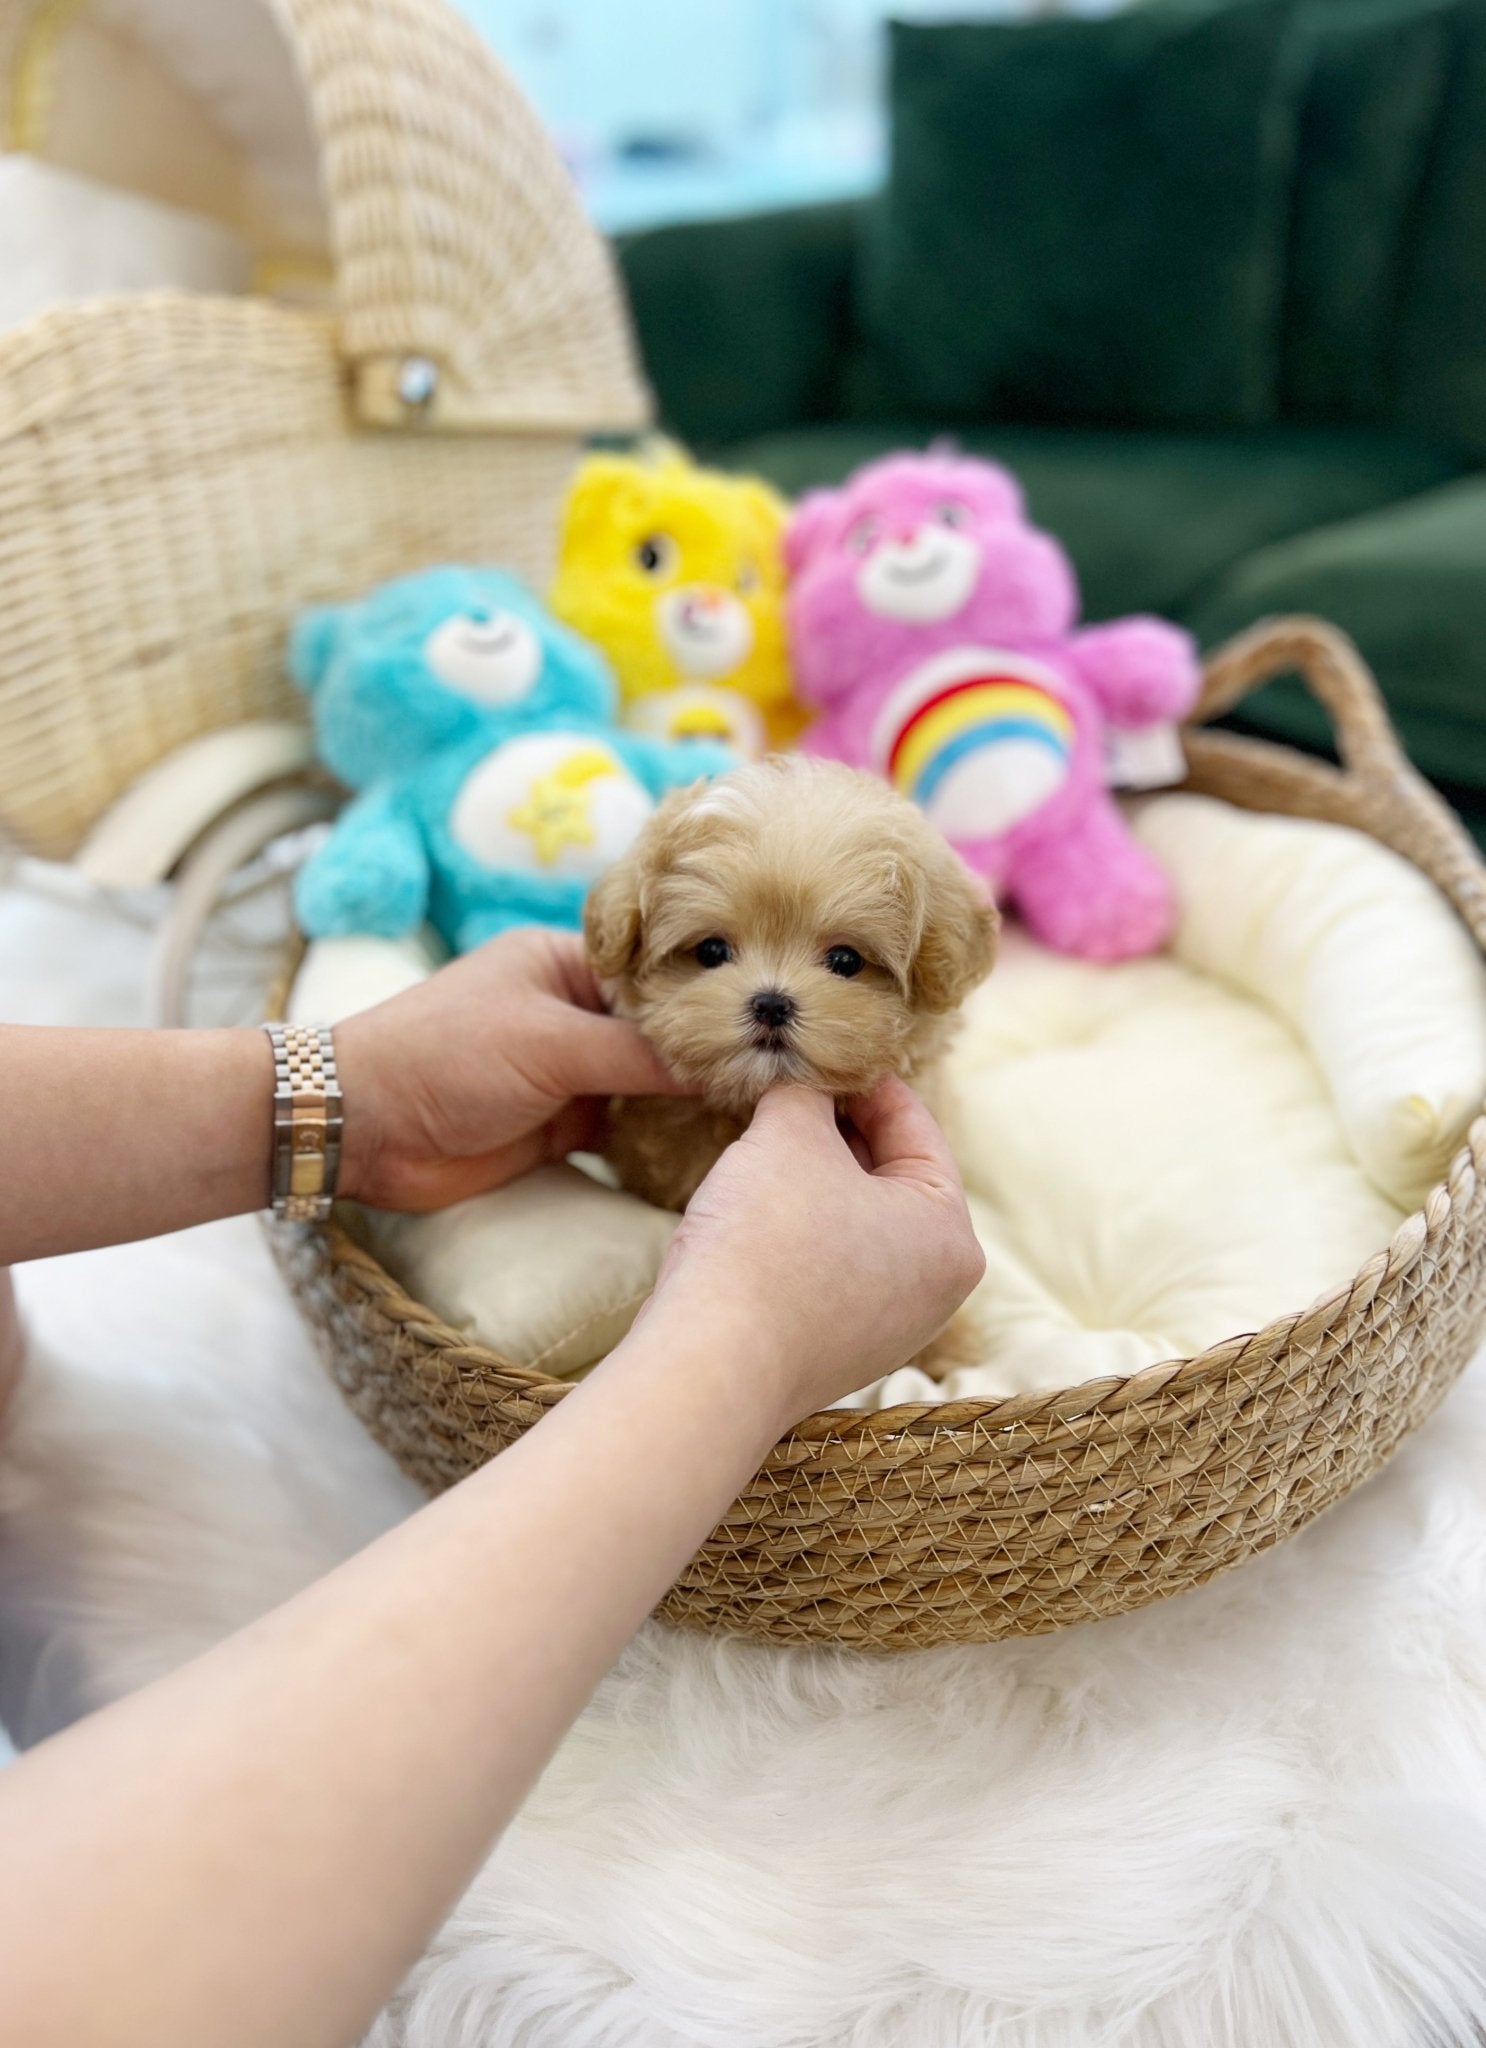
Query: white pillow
338	977
65	238
552	1270
1358	952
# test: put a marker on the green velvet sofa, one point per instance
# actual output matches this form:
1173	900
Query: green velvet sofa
1291	414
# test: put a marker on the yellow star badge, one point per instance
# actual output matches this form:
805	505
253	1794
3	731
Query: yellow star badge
556	812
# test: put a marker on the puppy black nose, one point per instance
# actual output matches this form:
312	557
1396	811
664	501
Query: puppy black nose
773	1008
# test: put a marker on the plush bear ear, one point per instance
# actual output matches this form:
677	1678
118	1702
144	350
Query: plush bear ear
999	491
312	643
764	503
992	487
807	527
663	451
601	484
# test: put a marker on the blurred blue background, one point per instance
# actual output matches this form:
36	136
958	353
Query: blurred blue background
685	109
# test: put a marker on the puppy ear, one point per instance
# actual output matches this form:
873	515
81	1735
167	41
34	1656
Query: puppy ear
958	947
611	919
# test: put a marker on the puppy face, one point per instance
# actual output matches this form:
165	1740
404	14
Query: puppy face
793	921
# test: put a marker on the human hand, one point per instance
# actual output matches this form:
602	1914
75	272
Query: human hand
832	1258
501	1061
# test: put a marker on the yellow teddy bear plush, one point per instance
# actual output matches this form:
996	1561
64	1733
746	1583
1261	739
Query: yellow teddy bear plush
676	573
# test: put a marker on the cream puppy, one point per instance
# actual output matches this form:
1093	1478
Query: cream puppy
795	921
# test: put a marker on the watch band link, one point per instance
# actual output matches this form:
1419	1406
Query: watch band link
307	1112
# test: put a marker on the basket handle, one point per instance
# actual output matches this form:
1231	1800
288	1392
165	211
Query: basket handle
1332	670
1377	789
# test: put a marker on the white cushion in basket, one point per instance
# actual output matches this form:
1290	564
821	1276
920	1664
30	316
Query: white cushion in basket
553	1269
1355	949
1159	1155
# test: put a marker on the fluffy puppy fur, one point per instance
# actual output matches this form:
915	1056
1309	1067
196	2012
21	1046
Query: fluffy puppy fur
793	921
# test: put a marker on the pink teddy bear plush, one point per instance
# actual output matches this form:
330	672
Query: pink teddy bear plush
935	631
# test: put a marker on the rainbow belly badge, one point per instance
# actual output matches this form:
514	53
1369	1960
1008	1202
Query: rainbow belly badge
978	738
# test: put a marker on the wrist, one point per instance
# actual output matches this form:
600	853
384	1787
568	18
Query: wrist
361	1133
723	1345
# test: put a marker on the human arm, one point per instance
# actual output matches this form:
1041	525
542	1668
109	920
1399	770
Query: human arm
254	1850
498	1062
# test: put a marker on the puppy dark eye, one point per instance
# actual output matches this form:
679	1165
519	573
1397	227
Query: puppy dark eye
845	961
713	953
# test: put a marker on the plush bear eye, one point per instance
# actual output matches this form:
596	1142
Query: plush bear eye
845	961
747	577
951	514
655	554
862	536
713	953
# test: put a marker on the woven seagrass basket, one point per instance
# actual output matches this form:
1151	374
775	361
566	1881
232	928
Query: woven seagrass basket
179	473
434	327
973	1520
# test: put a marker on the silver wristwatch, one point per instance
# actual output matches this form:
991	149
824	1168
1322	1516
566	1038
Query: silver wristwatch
306	1122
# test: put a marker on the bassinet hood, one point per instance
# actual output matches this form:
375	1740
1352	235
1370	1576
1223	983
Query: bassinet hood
379	138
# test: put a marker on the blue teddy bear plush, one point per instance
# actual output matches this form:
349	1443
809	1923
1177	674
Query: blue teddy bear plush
495	784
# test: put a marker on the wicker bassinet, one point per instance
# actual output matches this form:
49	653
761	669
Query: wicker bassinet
973	1520
436	328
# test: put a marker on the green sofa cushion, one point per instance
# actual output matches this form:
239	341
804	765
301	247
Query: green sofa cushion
1151	520
1408	582
1441	342
1377	80
743	324
1085	219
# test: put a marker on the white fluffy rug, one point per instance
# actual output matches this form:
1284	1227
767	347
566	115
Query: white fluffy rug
1251	1818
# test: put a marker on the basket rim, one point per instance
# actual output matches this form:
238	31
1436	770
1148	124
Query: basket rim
1403	1251
1370	750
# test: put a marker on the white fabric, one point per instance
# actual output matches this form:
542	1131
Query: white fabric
556	1268
1159	1155
1253	1817
65	238
338	977
233	58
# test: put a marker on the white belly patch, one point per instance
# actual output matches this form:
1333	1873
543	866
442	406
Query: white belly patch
551	803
